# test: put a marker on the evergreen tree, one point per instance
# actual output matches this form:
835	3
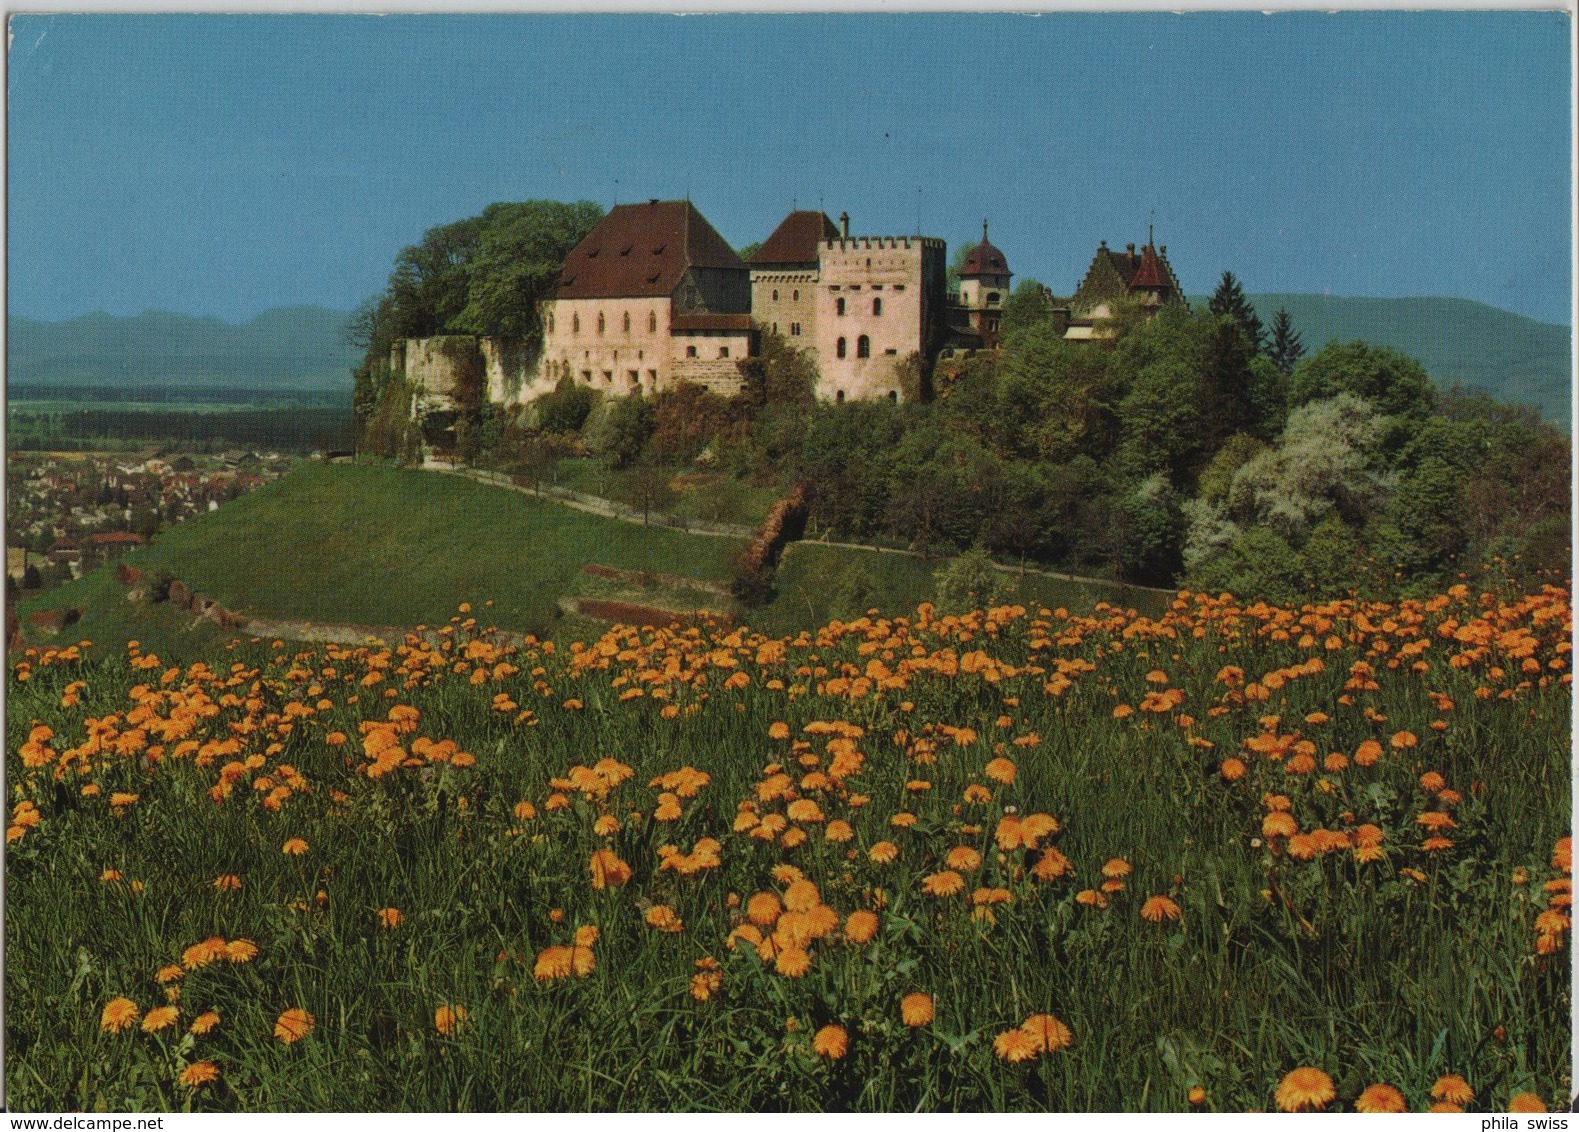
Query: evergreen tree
1229	299
1286	348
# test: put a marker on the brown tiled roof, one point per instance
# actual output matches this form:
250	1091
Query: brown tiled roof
683	322
1149	275
114	538
984	259
642	251
795	240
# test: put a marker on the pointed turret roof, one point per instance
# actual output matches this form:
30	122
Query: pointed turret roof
1148	276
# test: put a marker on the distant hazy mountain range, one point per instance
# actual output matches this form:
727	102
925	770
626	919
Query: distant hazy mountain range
289	348
292	348
1460	342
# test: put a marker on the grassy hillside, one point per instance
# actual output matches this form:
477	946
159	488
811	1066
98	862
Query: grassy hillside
1459	342
390	547
286	348
385	547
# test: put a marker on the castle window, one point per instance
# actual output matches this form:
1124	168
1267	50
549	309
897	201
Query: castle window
600	322
992	297
863	347
575	324
586	376
795	295
550	323
775	328
633	378
794	330
893	395
838	306
839	396
899	286
608	377
652	322
892	353
723	351
775	296
877	306
839	349
690	351
627	325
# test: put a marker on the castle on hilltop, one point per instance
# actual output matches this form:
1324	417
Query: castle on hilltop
654	298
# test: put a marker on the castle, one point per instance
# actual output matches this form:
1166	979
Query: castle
654	297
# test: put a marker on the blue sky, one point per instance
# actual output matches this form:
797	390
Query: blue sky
219	165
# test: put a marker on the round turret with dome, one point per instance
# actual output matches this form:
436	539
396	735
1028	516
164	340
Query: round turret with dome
984	277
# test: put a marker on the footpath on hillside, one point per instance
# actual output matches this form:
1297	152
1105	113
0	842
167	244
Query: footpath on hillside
608	509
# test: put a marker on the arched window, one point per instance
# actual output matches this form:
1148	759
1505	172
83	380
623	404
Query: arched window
795	295
575	324
877	306
839	396
863	347
838	306
840	348
600	322
652	322
550	322
775	296
627	325
893	395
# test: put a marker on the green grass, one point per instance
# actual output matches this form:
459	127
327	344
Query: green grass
386	547
1402	969
382	546
814	586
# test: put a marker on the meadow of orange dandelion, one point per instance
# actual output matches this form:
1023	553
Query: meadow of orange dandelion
1231	857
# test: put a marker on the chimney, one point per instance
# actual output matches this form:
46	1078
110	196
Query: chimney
1130	248
844	225
652	200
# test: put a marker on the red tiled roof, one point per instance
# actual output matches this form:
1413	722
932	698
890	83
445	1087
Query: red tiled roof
795	240
642	251
1149	275
984	259
685	322
114	538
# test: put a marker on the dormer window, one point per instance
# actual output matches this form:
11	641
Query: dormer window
627	249
659	249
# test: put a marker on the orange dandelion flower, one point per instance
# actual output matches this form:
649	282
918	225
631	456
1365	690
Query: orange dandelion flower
118	1013
198	1074
295	847
293	1025
1049	1033
963	858
916	1009
608	871
778	730
160	1017
831	1042
1368	753
1015	1046
663	918
203	1023
1091	898
861	926
883	853
1305	1087
1453	1089
241	951
227	883
447	1019
792	962
389	918
1279	823
552	963
1526	1102
1001	770
1232	770
801	896
170	973
1159	908
1403	740
1380	1097
1117	867
947	883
